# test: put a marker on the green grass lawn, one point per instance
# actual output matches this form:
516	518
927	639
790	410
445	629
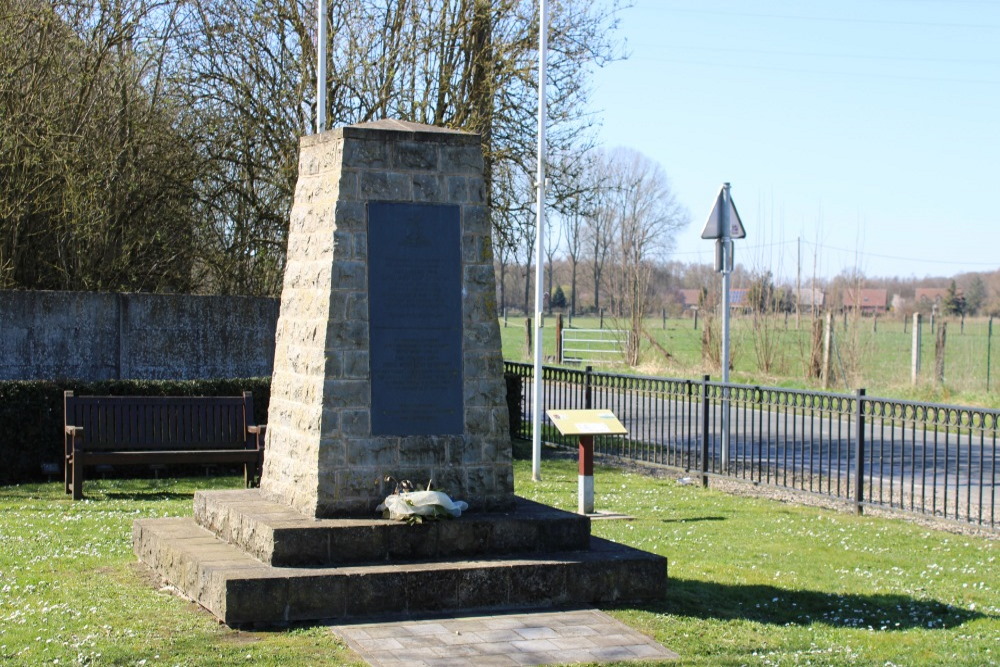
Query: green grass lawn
877	359
72	592
751	581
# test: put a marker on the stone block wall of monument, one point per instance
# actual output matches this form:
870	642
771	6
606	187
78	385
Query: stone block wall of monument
322	456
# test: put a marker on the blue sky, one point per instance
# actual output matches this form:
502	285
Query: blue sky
868	129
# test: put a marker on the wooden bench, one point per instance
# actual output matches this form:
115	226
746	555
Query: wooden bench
143	430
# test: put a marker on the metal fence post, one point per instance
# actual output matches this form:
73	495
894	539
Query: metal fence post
859	453
559	338
588	397
704	430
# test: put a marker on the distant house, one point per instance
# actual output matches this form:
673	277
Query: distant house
930	296
866	301
689	297
738	300
808	297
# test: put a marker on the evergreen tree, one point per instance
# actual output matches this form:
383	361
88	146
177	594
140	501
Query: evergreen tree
975	295
954	301
558	298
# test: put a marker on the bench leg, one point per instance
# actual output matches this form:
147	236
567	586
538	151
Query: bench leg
67	464
77	483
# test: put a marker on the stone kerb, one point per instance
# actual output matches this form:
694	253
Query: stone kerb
322	457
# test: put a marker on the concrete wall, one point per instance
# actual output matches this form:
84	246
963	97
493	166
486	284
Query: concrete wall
94	336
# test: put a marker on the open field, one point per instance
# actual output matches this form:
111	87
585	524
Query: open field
867	354
752	581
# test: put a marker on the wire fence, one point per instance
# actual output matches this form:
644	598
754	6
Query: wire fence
925	458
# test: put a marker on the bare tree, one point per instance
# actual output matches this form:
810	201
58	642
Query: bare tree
513	222
646	216
154	145
573	231
574	203
553	241
527	248
96	183
598	232
504	249
466	64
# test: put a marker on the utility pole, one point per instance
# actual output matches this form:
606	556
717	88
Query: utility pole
798	280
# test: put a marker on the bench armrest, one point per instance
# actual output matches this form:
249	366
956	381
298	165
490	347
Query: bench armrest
74	430
258	431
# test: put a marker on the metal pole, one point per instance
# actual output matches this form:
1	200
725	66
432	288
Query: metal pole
989	340
798	280
705	414
915	349
859	453
536	410
727	263
321	68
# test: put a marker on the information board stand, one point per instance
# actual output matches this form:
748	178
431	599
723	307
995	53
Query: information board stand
586	424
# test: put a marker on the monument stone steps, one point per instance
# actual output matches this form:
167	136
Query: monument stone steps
241	590
278	535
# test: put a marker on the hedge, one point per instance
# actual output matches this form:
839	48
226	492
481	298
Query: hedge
31	413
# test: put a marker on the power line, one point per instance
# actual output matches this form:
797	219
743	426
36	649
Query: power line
792	70
862	253
859	253
817	54
834	19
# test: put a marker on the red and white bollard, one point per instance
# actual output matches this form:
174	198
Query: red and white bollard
585	424
585	484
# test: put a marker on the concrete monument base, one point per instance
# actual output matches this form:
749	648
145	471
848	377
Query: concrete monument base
250	561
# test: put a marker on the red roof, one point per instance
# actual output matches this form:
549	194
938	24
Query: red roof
866	298
690	297
931	294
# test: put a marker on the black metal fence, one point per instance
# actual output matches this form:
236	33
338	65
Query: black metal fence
938	460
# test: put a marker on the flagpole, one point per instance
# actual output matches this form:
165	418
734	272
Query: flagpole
536	409
321	67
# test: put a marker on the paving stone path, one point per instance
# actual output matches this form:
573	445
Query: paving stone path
536	638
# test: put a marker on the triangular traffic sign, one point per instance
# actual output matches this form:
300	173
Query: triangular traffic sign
713	227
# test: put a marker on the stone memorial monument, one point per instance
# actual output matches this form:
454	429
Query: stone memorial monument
387	364
387	357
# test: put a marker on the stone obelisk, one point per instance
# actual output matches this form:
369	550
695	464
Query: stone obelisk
387	358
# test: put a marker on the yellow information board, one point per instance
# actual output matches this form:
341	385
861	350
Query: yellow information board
586	422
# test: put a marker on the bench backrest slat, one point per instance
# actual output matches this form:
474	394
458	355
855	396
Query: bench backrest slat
159	422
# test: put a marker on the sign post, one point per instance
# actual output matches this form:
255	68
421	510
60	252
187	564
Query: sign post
586	424
724	225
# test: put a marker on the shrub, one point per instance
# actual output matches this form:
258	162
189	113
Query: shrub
514	402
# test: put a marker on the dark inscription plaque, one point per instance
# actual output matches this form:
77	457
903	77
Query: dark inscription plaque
415	319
